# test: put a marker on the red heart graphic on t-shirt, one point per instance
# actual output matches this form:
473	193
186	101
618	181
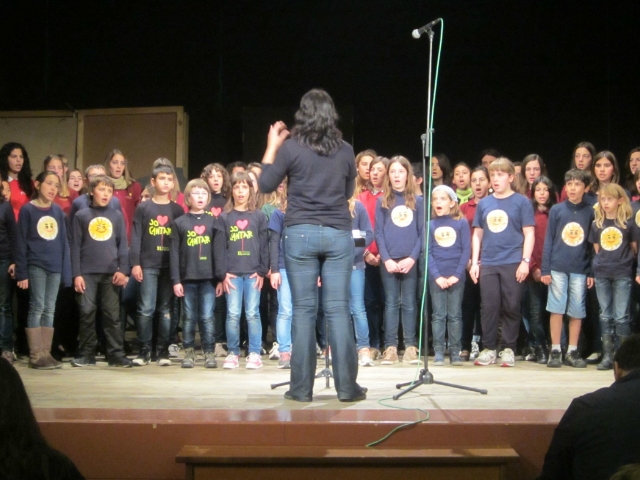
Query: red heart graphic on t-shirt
242	224
216	211
162	219
199	229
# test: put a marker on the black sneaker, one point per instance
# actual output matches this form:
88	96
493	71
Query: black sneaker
555	359
84	361
574	360
143	358
123	362
164	360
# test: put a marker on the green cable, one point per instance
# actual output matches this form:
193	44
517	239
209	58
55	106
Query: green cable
424	286
404	425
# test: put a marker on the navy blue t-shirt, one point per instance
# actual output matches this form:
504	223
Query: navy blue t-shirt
502	221
615	256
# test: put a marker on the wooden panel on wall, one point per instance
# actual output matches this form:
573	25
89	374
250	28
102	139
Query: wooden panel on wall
142	134
41	132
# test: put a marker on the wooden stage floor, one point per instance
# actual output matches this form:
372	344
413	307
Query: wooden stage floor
131	423
524	387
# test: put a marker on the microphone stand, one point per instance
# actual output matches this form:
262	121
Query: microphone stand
426	377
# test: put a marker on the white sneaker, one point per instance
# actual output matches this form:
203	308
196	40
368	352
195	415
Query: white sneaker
507	358
274	353
364	358
231	362
475	351
174	350
254	361
486	357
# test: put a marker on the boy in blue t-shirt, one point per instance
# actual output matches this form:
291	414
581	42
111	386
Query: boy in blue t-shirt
503	237
566	266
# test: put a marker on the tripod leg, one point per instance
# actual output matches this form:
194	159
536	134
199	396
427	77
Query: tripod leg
407	390
461	387
276	385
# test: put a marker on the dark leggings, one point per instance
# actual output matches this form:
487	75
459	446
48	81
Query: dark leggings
501	296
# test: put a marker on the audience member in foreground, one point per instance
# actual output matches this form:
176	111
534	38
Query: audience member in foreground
24	452
599	431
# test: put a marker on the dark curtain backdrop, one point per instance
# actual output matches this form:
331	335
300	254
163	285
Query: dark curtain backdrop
522	76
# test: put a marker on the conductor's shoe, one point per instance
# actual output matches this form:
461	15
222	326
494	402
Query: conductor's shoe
362	395
289	396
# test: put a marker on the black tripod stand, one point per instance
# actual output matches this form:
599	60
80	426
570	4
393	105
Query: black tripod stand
426	377
326	372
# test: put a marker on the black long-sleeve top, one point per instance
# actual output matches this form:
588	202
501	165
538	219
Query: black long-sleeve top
197	249
318	186
7	231
151	236
247	242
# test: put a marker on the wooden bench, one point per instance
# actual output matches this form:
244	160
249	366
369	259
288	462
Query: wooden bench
343	463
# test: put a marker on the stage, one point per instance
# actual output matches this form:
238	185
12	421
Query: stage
131	423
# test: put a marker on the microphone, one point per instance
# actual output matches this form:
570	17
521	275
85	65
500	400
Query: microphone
417	33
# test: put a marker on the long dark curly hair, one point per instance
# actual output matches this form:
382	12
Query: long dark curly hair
315	123
24	176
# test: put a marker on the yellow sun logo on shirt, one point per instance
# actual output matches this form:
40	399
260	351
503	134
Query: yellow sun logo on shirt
445	236
497	221
100	229
47	228
610	238
573	234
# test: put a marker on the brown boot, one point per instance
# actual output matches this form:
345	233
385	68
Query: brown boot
37	359
47	339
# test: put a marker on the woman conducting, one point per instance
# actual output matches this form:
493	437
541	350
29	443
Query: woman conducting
318	242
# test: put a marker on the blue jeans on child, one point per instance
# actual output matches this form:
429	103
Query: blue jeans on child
198	304
285	312
6	312
446	305
244	289
43	293
156	293
613	296
358	311
399	294
374	304
312	251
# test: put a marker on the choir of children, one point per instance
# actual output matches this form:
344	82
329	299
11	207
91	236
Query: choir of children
507	243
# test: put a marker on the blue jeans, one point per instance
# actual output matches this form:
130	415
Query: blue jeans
374	303
312	251
198	303
156	293
399	295
43	292
245	288
285	312
6	312
446	305
358	312
613	296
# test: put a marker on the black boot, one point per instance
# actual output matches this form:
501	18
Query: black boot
607	353
542	354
